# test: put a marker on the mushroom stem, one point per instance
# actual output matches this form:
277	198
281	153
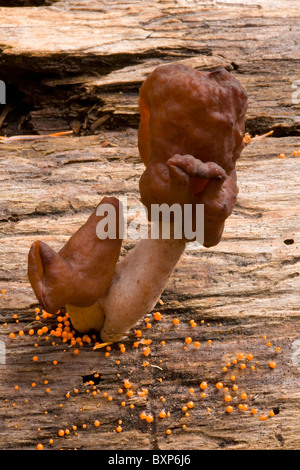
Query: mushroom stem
137	284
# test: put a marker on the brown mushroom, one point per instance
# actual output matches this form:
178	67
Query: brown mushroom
189	138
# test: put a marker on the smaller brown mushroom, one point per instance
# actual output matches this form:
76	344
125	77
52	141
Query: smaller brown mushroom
80	272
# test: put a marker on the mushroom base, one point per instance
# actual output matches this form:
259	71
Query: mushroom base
137	284
86	319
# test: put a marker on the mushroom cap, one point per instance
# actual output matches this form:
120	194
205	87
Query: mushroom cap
82	270
186	111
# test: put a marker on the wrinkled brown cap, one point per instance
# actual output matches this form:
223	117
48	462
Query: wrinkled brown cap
82	270
186	111
190	136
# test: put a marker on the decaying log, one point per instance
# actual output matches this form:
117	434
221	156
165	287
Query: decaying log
242	289
242	294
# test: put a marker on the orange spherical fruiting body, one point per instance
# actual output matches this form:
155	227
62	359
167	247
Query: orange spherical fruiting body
149	418
263	417
127	384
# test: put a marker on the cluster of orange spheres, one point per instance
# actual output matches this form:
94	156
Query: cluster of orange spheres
147	417
65	332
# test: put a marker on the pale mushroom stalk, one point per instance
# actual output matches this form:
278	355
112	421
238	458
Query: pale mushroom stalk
138	283
141	276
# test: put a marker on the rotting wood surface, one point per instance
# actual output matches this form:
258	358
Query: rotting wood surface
241	294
